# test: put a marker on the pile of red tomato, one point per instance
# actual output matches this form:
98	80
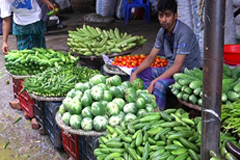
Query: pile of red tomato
132	61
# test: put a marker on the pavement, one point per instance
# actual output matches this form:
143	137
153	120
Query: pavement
24	143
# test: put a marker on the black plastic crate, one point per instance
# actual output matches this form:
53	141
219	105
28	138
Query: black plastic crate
50	110
39	115
39	112
87	145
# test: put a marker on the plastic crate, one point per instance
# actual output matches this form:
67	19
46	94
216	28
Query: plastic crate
87	145
25	101
39	114
27	105
16	87
70	145
50	110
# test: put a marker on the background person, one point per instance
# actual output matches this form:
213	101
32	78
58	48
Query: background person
28	27
180	46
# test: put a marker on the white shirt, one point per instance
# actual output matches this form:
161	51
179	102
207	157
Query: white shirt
24	11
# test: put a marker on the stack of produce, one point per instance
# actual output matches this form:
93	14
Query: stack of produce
90	41
36	60
229	150
188	85
105	101
170	134
230	116
132	61
55	82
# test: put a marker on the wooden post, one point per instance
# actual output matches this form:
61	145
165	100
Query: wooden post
212	75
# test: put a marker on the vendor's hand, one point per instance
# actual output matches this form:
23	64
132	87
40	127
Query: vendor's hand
5	48
133	76
51	6
151	87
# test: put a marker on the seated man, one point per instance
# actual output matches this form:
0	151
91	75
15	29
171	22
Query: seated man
181	49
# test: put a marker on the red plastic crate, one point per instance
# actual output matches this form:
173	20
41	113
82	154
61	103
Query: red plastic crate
27	104
70	145
16	87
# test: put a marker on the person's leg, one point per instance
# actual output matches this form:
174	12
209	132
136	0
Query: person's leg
38	40
160	91
150	74
24	42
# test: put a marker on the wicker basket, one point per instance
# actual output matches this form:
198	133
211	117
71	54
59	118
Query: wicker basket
80	6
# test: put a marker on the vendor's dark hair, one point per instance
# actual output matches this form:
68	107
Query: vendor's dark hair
164	5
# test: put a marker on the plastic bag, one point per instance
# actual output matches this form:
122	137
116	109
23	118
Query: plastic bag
106	7
120	9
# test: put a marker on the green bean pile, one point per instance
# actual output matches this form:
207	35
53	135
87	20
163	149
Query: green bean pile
55	82
231	117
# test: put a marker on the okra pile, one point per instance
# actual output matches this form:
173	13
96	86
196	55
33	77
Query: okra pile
55	82
188	85
170	134
36	60
90	41
165	135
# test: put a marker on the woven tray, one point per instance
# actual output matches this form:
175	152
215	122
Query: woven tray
110	55
190	105
96	62
68	129
41	98
18	76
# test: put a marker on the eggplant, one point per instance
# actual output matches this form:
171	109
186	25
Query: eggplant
233	149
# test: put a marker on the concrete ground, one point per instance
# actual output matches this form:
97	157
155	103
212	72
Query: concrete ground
24	142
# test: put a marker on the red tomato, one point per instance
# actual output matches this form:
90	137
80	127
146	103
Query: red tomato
142	56
137	56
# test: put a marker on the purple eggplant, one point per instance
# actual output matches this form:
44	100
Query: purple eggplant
233	149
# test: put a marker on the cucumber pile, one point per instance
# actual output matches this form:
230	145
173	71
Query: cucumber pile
56	82
188	85
36	60
105	101
90	41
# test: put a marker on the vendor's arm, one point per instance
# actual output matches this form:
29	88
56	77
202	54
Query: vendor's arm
175	68
146	63
49	4
6	24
